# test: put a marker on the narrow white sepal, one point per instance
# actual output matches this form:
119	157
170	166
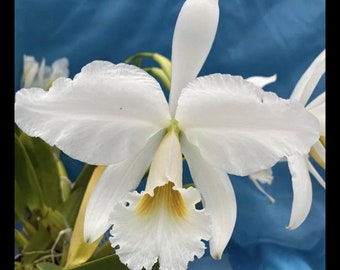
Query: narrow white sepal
302	190
317	107
30	71
218	196
310	78
193	37
316	174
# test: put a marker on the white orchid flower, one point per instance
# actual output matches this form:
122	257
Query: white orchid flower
299	165
35	75
117	115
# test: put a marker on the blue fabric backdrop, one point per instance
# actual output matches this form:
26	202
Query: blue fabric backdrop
258	37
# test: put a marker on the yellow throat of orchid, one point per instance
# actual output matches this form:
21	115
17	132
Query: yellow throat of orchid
165	199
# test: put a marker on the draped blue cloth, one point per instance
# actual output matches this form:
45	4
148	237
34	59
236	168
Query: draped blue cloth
258	37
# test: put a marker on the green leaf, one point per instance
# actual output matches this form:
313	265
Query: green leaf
20	239
48	266
17	266
54	222
38	246
19	203
70	207
28	227
65	183
84	176
107	263
27	180
45	165
104	250
17	130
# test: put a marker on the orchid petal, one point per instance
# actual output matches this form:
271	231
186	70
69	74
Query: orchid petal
142	237
308	81
315	173
302	190
240	128
320	100
318	108
218	197
193	37
58	69
116	181
30	71
43	73
260	81
105	115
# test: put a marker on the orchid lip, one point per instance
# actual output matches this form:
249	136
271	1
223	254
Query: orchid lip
166	199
